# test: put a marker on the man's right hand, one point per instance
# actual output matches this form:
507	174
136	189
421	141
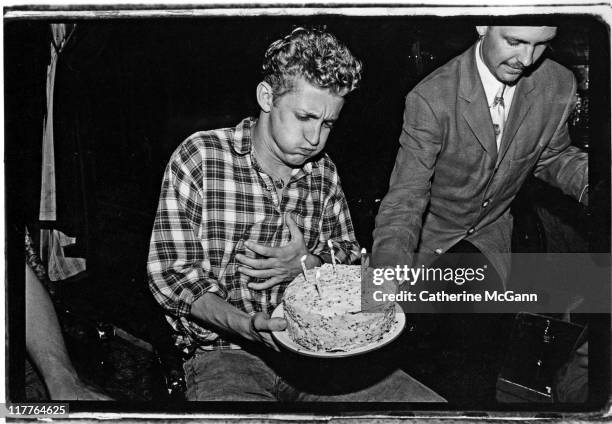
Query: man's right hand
213	312
260	326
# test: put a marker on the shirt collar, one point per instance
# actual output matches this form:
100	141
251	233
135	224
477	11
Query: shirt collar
489	82
242	143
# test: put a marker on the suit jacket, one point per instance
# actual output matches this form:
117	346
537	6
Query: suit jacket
450	182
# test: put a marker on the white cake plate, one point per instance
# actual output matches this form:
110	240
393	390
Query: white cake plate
283	339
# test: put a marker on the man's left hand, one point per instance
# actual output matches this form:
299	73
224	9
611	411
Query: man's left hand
280	263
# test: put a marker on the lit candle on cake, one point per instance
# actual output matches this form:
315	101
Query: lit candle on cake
363	262
317	276
303	261
331	249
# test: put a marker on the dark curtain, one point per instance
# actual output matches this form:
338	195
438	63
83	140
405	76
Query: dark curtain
74	162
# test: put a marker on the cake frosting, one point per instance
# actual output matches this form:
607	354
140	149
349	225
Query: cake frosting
333	321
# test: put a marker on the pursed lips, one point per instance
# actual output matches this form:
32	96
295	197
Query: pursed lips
306	152
515	69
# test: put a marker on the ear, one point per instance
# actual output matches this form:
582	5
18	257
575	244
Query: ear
482	30
265	96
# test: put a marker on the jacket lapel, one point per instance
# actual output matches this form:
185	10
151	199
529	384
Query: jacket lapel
521	104
476	111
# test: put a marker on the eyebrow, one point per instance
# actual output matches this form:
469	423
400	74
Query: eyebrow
314	115
519	40
308	114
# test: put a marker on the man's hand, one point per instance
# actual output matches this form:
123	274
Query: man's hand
280	263
260	326
212	312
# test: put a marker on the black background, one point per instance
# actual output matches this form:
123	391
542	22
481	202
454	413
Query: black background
129	91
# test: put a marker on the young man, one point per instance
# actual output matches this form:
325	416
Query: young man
238	209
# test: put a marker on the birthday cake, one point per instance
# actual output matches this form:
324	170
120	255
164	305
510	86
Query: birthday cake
331	319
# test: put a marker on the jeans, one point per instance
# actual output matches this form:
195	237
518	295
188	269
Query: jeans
240	375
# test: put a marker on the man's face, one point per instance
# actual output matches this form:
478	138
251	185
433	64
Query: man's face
301	120
509	50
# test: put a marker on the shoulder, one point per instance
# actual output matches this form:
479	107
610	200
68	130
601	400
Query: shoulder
203	145
326	166
553	77
325	162
436	93
549	68
325	169
443	80
200	153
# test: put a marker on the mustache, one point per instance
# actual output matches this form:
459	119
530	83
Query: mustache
517	66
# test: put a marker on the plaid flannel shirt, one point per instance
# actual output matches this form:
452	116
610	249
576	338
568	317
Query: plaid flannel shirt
214	197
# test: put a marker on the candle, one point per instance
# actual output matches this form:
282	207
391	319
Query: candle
317	276
331	249
363	263
303	261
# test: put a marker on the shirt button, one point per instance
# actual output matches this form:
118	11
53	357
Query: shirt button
485	203
471	230
439	251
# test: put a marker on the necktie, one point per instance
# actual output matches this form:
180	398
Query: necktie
498	114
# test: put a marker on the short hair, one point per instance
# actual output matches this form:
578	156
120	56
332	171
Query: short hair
314	54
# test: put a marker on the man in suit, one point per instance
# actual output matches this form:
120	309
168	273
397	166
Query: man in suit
464	154
473	131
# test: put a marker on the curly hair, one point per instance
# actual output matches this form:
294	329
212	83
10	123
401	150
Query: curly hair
315	55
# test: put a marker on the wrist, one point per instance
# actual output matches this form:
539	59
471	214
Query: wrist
249	327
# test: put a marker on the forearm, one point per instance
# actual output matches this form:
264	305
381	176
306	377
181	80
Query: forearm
561	164
567	170
398	225
214	313
44	340
400	216
399	219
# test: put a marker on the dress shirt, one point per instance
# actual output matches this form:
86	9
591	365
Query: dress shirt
491	86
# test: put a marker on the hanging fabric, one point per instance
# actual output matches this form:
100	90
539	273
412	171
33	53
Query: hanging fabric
61	267
53	241
48	205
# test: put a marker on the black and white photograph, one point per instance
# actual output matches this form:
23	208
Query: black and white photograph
311	210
